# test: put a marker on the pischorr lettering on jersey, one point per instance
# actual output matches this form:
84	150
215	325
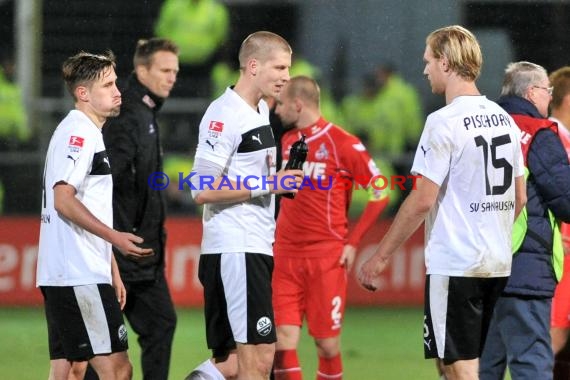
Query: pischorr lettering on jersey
486	121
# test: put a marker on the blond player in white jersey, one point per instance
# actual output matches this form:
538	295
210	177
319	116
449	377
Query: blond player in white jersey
472	187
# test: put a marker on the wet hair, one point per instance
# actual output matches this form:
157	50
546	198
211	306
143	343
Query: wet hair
461	49
260	45
146	49
84	68
560	80
305	88
519	76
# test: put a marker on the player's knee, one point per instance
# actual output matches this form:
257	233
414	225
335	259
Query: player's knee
268	354
328	348
264	359
125	371
462	369
230	372
226	363
287	337
264	368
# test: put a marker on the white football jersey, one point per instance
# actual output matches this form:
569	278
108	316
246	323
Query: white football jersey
236	137
68	255
471	149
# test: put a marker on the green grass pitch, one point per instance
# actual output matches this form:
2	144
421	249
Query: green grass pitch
377	343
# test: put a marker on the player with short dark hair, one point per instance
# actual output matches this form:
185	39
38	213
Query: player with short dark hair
76	271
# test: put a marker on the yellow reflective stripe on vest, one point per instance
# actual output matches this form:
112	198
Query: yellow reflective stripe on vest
520	228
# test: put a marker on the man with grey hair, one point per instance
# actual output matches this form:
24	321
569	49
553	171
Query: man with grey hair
524	306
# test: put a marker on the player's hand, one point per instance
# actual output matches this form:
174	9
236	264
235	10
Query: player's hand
120	290
126	242
287	181
347	257
369	273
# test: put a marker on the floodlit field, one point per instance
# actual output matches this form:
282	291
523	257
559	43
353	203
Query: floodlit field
377	343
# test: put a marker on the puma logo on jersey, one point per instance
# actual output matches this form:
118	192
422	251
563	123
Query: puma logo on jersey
72	159
211	145
257	138
424	150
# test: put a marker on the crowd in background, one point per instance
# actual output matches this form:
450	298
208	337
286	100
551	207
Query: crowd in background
386	113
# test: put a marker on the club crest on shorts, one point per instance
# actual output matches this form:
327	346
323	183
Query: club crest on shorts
264	326
122	333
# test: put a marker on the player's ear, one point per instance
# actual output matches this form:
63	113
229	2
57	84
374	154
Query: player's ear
252	65
141	72
566	101
82	93
298	104
444	63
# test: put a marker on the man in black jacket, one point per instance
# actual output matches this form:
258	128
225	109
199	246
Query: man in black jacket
133	146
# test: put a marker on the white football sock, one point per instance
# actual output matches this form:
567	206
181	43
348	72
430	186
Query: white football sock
206	371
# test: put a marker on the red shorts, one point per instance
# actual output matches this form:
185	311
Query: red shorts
312	288
560	316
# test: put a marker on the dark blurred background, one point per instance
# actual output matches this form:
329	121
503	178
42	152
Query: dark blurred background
343	42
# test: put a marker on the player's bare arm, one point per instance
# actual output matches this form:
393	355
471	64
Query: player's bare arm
411	215
120	289
67	205
376	204
286	180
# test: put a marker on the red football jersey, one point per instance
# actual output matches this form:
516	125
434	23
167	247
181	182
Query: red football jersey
560	315
315	222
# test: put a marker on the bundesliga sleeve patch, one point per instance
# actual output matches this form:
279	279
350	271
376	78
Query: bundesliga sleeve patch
75	144
76	141
215	129
216	126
